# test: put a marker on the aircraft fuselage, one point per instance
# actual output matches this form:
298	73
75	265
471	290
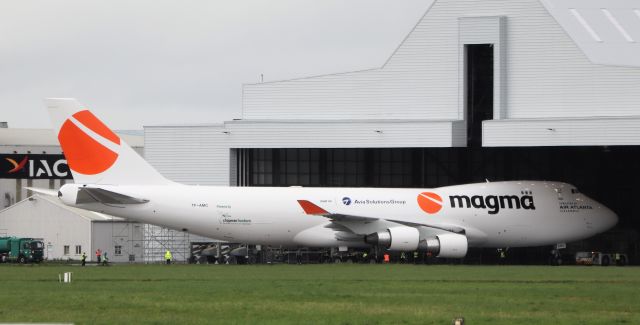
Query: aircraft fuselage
497	214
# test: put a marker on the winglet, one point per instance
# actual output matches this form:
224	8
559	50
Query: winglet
310	208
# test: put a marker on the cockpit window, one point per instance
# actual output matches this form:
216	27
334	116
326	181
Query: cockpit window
575	191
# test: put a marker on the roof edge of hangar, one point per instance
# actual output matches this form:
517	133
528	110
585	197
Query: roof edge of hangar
606	31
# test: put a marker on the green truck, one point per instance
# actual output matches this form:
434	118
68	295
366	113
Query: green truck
21	250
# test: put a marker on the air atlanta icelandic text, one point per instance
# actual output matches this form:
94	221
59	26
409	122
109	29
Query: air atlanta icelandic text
493	202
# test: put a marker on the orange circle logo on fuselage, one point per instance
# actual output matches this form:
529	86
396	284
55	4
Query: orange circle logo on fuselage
430	202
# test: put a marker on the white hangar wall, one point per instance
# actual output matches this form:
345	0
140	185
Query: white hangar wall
59	226
541	73
344	134
56	225
194	155
602	131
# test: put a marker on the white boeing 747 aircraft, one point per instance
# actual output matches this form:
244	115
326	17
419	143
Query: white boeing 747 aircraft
111	178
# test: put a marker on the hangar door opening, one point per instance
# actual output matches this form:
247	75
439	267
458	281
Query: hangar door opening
479	90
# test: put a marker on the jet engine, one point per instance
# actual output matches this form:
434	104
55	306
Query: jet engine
395	238
445	245
68	193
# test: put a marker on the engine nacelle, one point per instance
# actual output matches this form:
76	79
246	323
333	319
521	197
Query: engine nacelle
396	238
446	245
68	193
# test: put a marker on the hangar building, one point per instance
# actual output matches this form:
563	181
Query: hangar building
68	232
478	90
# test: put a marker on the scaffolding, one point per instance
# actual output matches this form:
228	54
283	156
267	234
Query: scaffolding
157	240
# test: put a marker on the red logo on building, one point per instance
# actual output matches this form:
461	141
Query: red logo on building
17	166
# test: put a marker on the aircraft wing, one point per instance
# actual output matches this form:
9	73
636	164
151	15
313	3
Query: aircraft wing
312	209
96	194
348	221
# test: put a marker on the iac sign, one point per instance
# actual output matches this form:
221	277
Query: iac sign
39	167
34	166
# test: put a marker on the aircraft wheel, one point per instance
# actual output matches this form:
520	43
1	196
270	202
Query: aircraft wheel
623	261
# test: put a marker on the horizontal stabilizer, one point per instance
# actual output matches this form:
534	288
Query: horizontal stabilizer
93	195
45	191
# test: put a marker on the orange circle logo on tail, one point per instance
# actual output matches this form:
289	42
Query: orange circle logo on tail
84	154
430	202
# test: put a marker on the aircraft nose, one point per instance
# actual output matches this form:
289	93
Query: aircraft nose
605	219
610	219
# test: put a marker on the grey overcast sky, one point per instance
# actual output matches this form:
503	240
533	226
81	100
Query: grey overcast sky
150	62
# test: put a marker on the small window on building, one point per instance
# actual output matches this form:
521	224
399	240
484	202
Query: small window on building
78	249
66	249
118	250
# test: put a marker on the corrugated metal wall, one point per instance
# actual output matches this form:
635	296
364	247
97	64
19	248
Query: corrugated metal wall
195	155
39	218
547	75
343	134
562	132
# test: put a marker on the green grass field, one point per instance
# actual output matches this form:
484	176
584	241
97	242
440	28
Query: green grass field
329	294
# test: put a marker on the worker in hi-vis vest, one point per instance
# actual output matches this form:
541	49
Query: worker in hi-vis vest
167	256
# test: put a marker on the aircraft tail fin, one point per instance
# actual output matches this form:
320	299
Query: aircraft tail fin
94	153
